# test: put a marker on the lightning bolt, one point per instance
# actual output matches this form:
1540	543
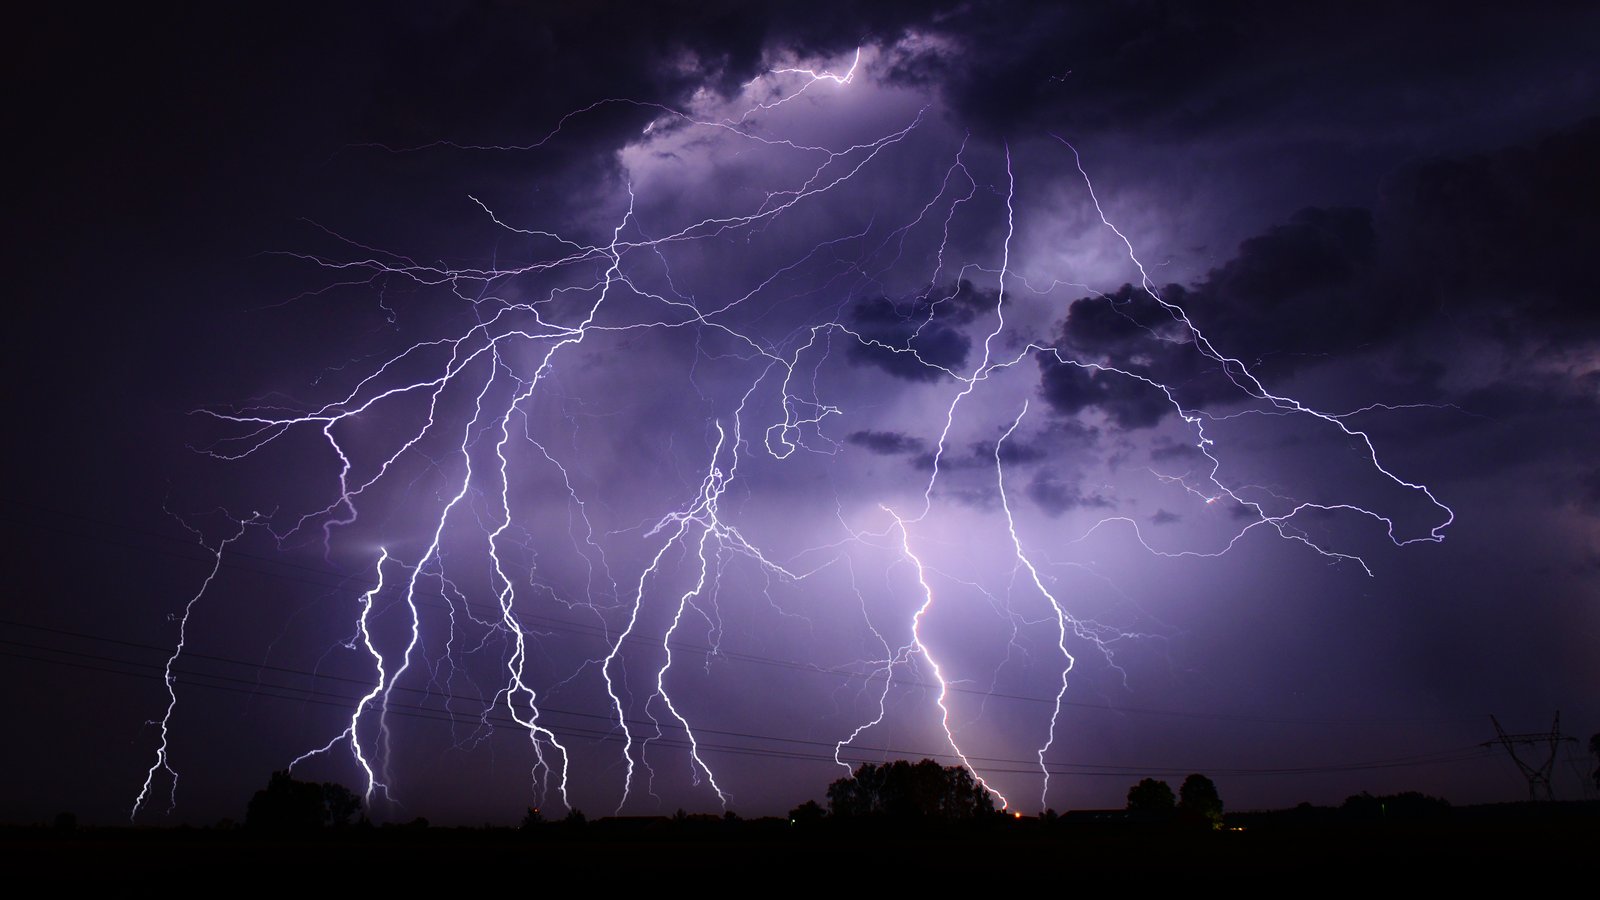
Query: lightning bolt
469	404
352	731
918	646
170	681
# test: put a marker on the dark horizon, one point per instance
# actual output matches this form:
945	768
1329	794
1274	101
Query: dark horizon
1240	353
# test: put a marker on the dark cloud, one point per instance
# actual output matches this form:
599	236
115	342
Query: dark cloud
1055	439
1132	333
1056	494
1119	325
1273	72
1163	517
469	70
1241	511
916	337
1012	453
1492	243
1508	233
1129	402
1298	292
1506	399
887	443
1165	450
1540	433
1301	289
1587	497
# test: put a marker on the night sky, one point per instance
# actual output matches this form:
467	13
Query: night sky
728	378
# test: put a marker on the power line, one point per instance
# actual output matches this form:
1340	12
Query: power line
501	719
359	583
897	681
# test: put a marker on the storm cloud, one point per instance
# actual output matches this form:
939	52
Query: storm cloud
1377	213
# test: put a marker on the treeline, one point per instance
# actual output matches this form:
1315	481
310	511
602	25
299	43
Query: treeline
895	796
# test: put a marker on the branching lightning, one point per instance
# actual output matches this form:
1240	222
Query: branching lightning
351	733
471	412
162	763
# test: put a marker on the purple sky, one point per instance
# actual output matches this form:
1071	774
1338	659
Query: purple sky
604	338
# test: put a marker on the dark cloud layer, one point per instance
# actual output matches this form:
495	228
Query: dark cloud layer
1503	232
1173	71
1492	241
1057	494
473	70
917	337
887	443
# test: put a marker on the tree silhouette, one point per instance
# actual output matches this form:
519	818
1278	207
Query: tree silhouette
1408	805
342	804
1594	747
289	805
903	790
806	814
1151	796
1198	801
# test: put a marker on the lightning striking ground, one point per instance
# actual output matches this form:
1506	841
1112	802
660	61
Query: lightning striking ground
481	417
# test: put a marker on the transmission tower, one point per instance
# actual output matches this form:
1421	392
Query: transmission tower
1538	776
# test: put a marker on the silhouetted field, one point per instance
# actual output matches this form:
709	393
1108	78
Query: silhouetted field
1459	848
